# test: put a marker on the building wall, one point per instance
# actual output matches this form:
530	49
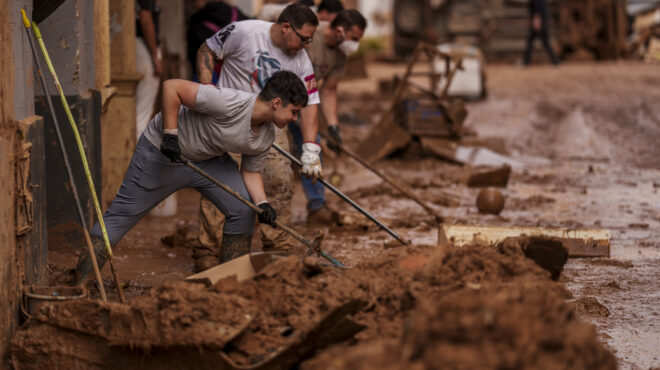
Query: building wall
378	14
8	268
69	37
118	129
23	60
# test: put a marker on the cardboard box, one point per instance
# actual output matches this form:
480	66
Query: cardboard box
244	267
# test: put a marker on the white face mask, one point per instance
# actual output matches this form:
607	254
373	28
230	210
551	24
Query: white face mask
347	46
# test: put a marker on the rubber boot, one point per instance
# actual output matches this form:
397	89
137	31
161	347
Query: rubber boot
234	246
84	267
205	258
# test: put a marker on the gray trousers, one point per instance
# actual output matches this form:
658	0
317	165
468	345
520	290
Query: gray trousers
151	177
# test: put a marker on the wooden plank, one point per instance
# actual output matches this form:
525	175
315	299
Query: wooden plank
488	176
33	239
580	242
383	140
442	148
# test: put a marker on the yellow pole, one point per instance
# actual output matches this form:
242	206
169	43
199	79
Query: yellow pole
83	156
67	164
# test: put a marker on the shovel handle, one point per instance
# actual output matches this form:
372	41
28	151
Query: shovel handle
344	197
405	191
258	210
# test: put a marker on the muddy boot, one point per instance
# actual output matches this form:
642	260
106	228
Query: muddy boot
205	258
234	246
321	216
84	267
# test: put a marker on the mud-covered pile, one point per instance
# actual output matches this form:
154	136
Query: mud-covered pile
470	307
511	326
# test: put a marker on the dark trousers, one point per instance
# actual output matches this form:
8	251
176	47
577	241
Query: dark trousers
151	177
545	38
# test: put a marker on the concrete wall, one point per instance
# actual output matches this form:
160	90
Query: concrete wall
23	60
69	37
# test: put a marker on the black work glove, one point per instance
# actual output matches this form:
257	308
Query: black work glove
335	146
268	214
170	147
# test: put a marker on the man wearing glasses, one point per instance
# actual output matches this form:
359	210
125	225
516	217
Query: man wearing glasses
333	43
251	51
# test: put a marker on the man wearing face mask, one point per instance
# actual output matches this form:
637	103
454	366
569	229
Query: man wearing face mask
333	42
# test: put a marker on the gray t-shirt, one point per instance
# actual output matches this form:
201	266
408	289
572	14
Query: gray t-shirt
219	123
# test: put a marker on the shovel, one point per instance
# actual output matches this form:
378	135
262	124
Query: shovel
315	247
344	197
405	191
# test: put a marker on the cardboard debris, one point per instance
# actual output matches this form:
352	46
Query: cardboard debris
244	267
580	242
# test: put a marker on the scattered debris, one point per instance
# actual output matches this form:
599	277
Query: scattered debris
414	115
599	26
589	306
611	262
289	309
185	235
579	242
480	176
490	201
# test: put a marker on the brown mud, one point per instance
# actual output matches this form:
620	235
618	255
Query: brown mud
469	301
585	152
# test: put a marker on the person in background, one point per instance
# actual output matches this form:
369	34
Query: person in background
333	42
204	23
328	9
271	10
538	27
148	62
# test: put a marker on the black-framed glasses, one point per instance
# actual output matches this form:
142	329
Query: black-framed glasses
303	40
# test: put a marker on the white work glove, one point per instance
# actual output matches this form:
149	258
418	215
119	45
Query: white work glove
311	160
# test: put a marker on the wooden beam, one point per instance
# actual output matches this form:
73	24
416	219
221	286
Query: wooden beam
118	120
580	242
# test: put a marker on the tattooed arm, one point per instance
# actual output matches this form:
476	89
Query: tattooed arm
206	60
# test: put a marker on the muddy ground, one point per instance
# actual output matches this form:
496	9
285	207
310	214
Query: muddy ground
582	140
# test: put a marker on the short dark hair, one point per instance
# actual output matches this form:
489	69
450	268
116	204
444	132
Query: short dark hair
297	15
287	86
349	18
331	6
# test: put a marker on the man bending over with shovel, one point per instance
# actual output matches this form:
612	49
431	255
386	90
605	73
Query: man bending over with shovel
202	124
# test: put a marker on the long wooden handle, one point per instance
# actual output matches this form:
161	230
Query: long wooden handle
95	265
258	210
81	149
